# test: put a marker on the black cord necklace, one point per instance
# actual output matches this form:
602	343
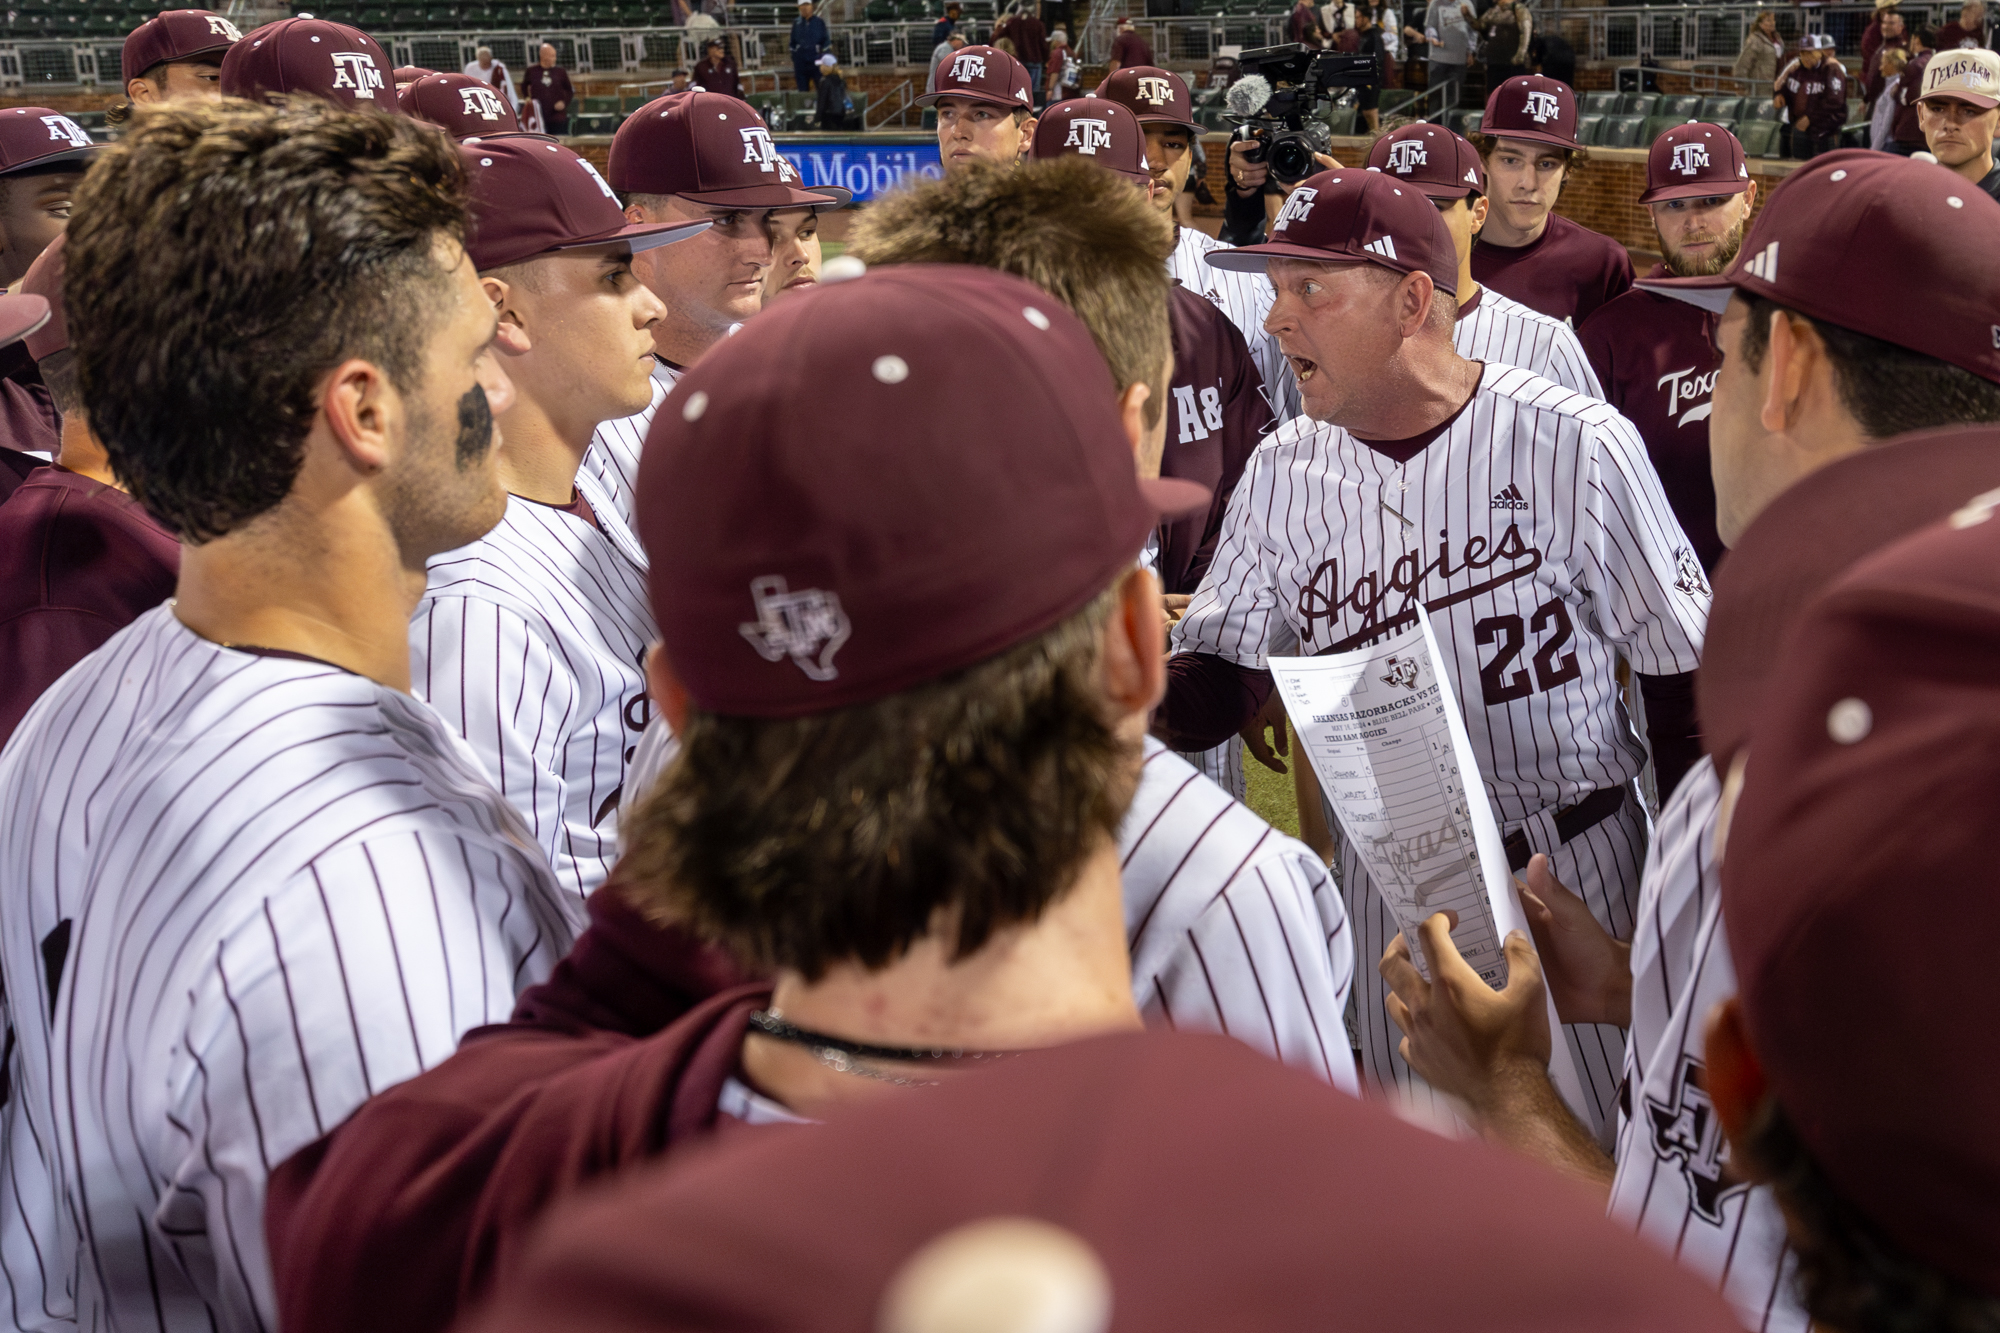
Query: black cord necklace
843	1056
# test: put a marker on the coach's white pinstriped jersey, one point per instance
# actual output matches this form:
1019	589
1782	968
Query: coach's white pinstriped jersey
1672	1186
1246	298
1507	333
531	643
613	456
1234	927
1535	531
246	892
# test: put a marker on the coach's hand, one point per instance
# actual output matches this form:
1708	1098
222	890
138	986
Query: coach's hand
1248	177
1589	970
1271	718
1464	1037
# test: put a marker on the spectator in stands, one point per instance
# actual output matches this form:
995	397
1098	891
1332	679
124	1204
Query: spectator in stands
717	72
1889	67
1368	42
1889	33
833	108
1551	56
1959	108
941	53
1906	134
1763	50
1031	42
486	68
548	86
810	41
1506	27
1128	47
946	26
681	79
1970	30
1304	26
1812	98
1447	32
1065	73
177	53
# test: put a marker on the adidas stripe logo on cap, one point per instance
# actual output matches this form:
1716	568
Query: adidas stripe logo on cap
1348	216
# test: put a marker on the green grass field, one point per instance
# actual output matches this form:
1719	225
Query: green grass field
1270	795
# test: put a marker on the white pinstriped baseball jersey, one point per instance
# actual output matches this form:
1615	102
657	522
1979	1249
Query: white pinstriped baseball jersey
1507	333
1246	298
249	891
1671	1184
531	644
1536	533
1234	927
613	456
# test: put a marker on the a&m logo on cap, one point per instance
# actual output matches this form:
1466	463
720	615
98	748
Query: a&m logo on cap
758	148
1689	158
1406	155
62	127
967	66
808	626
221	27
1298	207
1087	136
1543	106
356	70
603	185
1155	89
482	102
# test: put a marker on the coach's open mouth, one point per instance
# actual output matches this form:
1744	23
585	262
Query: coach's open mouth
1301	367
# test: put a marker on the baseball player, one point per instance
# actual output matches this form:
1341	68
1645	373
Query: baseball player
307	55
1216	413
1159	98
1447	170
1812	97
43	155
1656	356
258	881
985	107
1798	500
1959	110
530	642
1046	468
468	108
695	157
176	53
1523	516
1526	250
795	252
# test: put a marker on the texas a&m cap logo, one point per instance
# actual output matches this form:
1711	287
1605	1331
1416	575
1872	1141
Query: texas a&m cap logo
63	129
1155	90
482	102
1541	106
1298	207
1087	136
1689	158
223	28
967	66
760	151
807	626
1406	155
356	71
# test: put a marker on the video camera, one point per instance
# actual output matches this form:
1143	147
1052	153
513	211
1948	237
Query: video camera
1274	100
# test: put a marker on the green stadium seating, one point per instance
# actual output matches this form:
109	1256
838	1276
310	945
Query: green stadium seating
1721	110
600	106
1760	137
1760	108
1622	131
1467	122
1637	104
1658	125
1589	125
1601	103
1683	106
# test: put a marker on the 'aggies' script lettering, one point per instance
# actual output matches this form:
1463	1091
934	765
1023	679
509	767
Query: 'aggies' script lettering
1318	600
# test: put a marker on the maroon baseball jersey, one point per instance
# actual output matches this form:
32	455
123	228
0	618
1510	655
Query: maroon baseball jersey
1905	128
1819	94
1657	362
1216	417
1567	273
79	561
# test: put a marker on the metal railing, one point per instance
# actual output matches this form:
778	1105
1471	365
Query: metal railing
1656	34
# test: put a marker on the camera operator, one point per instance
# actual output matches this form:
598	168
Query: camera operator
1281	136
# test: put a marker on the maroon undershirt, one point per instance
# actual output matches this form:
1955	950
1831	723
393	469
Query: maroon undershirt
577	506
1473	304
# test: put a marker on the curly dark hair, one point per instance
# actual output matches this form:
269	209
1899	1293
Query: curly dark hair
971	801
224	258
1850	1276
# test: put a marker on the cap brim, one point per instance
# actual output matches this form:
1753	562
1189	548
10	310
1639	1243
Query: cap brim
766	196
1532	136
1173	497
1161	119
54	159
643	235
1693	190
21	314
985	99
1711	294
1255	258
1970	99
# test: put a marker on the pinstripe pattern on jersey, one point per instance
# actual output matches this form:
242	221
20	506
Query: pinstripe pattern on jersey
1681	969
287	888
613	456
1234	927
531	644
1223	766
1505	332
1246	298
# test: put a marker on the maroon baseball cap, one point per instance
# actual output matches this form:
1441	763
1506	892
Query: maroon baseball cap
1532	107
1862	895
1097	130
1846	205
1432	158
1805	538
21	314
982	74
307	55
1695	161
1155	96
532	196
44	279
465	106
1201	1175
710	148
798	571
34	136
1355	216
176	34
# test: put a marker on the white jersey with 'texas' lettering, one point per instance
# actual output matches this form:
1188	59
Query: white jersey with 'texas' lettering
1673	1185
1234	927
531	644
1505	332
1246	298
613	456
247	892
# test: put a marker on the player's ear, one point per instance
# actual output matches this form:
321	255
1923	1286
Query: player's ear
1478	209
1413	303
1132	414
1736	1083
511	337
355	409
1792	358
669	695
1134	655
141	90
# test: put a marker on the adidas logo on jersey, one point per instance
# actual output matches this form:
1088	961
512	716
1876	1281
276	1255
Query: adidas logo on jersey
1764	264
1511	498
1385	247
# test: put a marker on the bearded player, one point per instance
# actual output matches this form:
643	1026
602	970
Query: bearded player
1524	516
1657	357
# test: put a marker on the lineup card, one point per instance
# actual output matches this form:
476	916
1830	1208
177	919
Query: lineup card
1381	728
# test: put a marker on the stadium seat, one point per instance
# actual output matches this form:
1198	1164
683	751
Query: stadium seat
600	106
1600	103
1658	125
1760	137
1721	110
1622	131
1467	122
1681	106
1637	104
1589	125
1760	108
1341	119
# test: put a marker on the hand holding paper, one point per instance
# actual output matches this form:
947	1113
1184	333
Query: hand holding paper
1463	1036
